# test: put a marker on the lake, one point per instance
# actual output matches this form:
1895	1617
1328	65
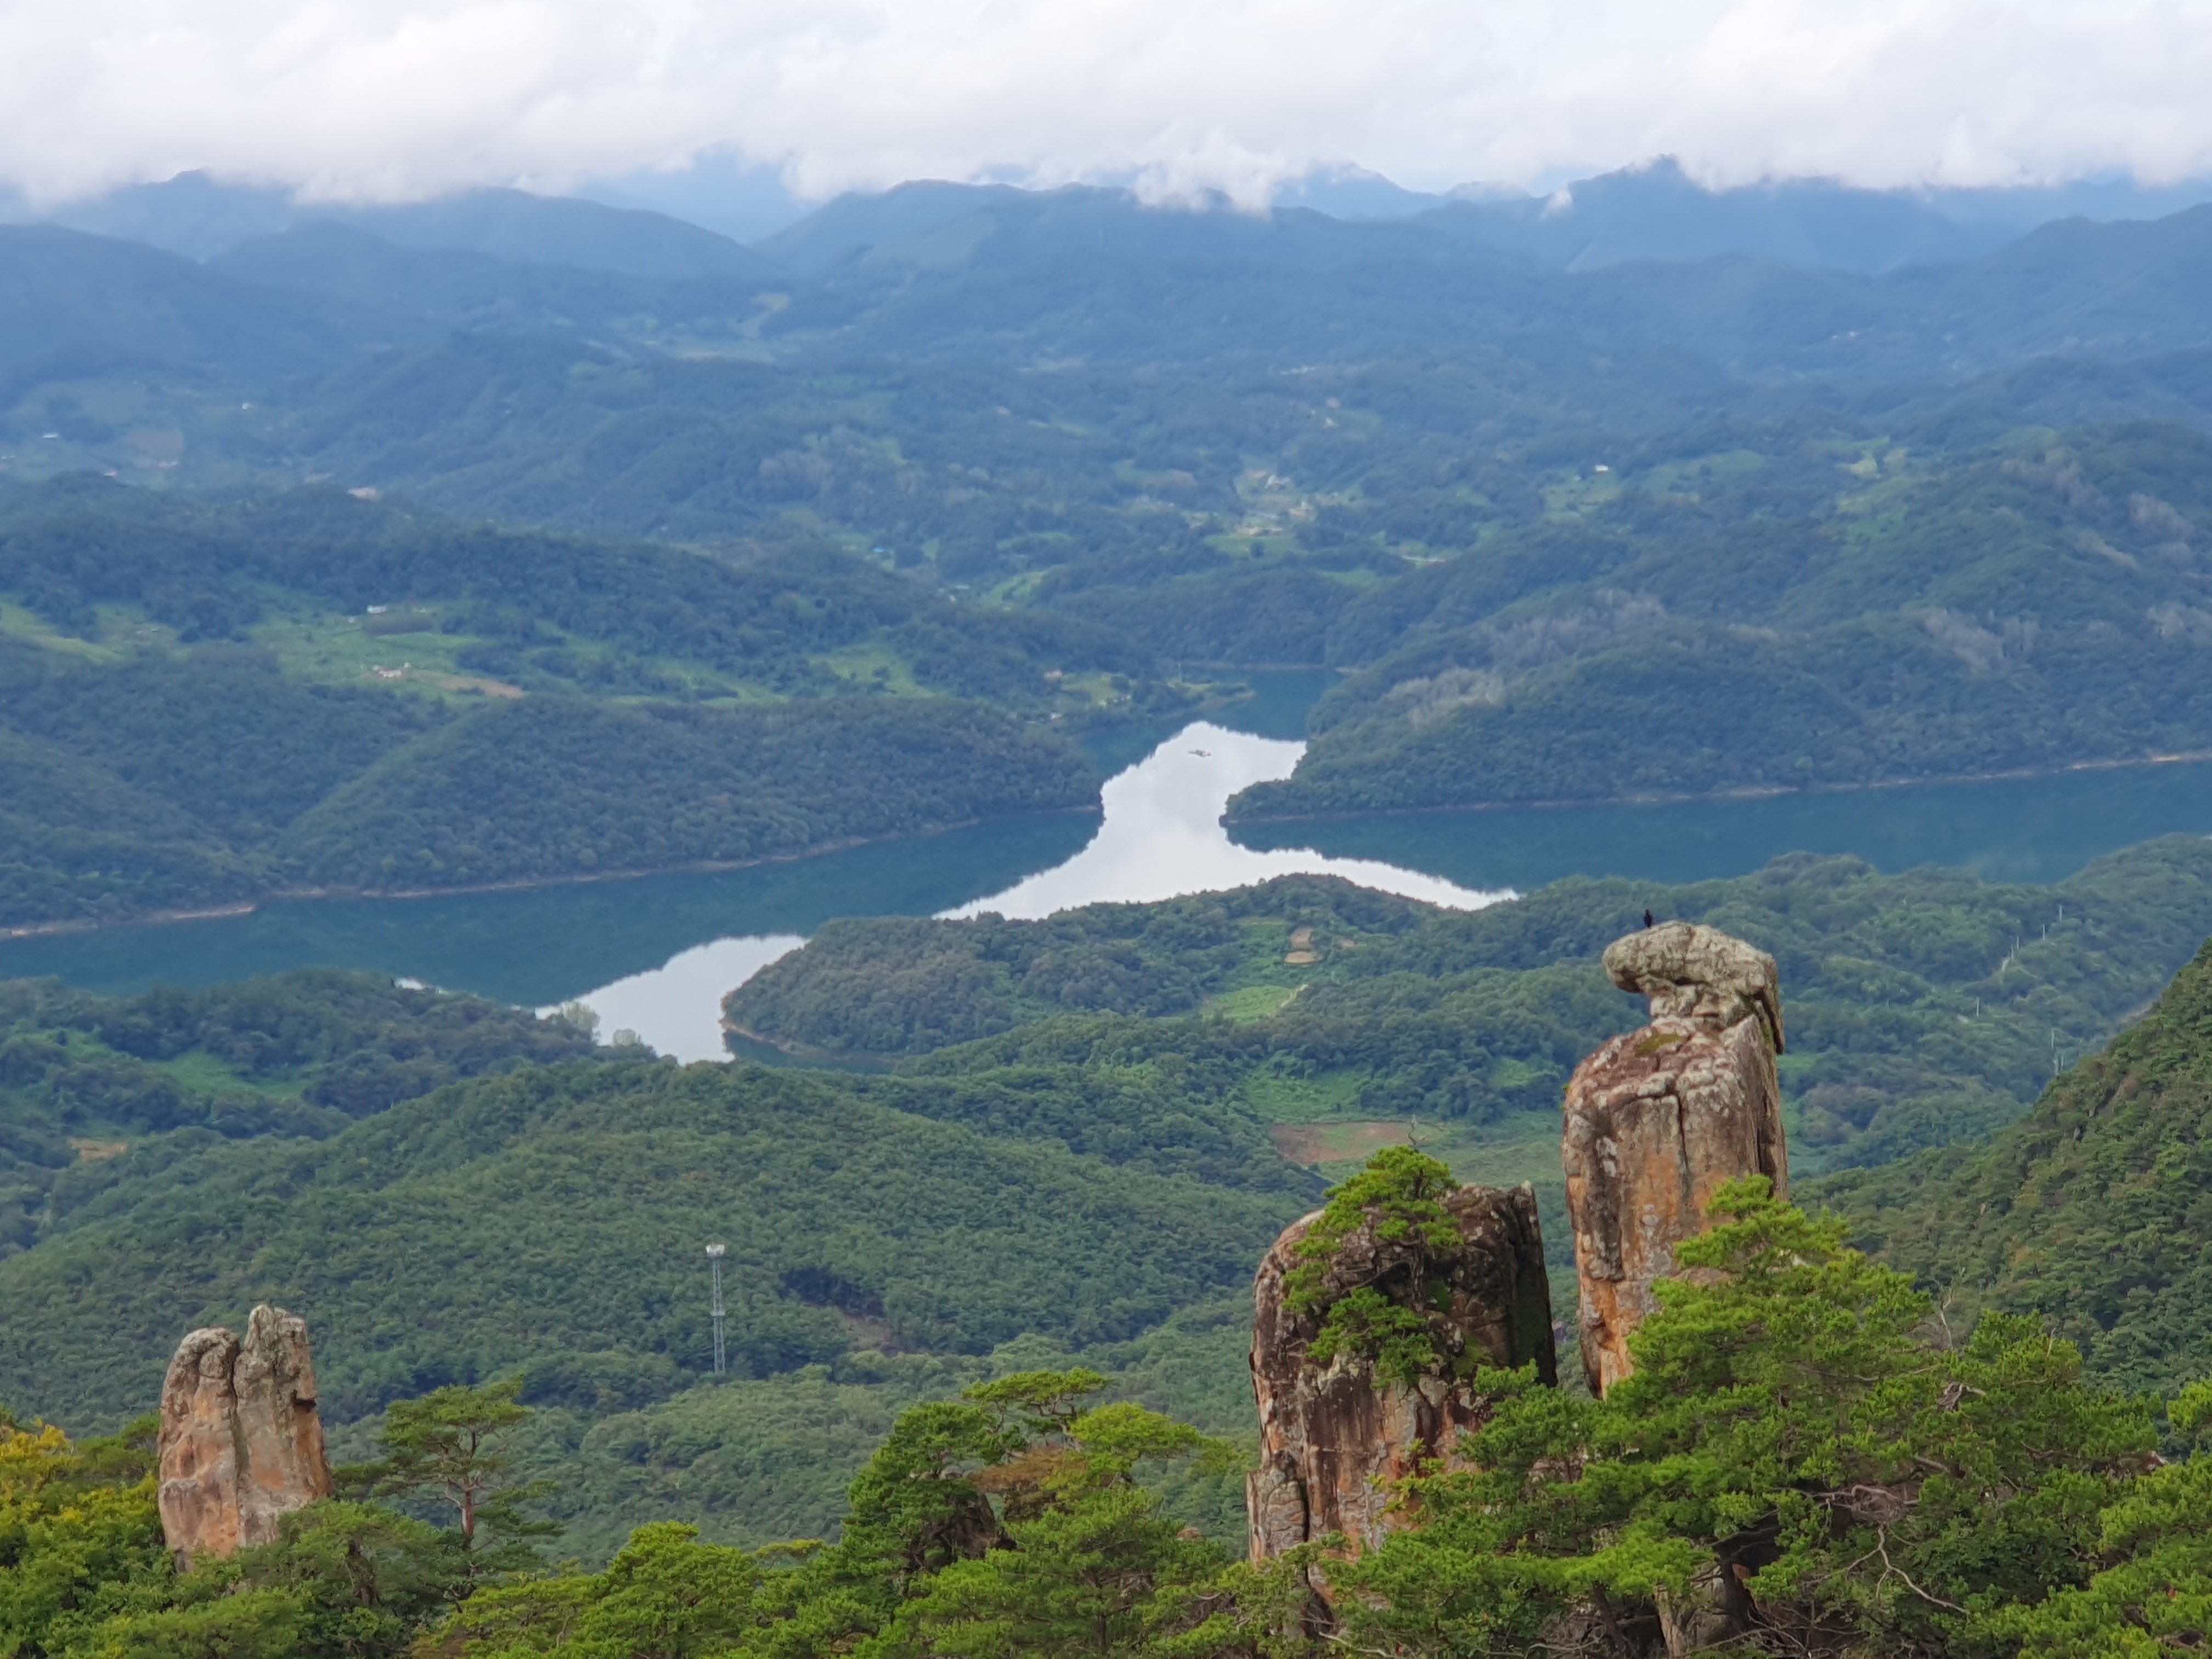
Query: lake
655	954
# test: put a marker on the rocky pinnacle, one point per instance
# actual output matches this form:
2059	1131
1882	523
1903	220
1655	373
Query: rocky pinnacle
241	1444
1658	1119
1332	1437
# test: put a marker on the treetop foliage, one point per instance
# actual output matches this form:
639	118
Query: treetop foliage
1804	1461
1394	1198
2091	1212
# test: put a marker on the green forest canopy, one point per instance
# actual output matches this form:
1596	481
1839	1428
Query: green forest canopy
1801	1457
1017	1159
1922	1007
189	679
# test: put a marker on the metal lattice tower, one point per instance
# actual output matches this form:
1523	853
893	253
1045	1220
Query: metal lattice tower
714	1254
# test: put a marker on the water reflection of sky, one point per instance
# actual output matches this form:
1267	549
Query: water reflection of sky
1162	836
678	1007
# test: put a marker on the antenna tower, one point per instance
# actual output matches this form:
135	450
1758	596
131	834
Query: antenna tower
714	1254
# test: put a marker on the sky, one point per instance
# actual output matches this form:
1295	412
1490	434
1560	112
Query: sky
371	100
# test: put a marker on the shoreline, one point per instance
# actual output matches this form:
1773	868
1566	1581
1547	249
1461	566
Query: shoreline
582	878
1772	792
525	885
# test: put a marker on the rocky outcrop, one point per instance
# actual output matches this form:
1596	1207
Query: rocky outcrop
1333	1437
1659	1118
241	1444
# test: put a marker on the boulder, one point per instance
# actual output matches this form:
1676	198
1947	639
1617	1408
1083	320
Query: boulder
241	1444
1658	1119
1333	1436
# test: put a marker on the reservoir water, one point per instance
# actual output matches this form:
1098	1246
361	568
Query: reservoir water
655	954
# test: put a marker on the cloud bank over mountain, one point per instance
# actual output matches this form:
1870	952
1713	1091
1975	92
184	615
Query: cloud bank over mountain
365	100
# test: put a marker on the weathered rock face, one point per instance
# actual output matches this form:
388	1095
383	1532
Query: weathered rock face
1331	1437
241	1444
199	1451
1659	1118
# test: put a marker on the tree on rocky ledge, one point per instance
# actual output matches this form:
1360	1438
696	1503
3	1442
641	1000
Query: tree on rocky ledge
1801	1462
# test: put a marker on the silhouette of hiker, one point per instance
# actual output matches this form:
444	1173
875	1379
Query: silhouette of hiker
1647	917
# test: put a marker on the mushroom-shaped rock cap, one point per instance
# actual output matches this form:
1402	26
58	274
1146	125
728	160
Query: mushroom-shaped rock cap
1699	975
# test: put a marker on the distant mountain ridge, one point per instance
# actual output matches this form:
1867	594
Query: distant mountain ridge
1655	213
1651	212
200	217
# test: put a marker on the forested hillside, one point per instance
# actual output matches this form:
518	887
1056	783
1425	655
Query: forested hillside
85	1080
1922	1008
206	702
2091	1213
423	551
2027	610
1082	1185
560	1212
1551	519
890	987
174	1142
560	787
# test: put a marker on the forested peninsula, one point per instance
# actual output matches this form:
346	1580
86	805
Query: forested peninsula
2030	609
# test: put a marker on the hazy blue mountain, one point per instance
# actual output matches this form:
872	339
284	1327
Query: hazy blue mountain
855	223
474	290
556	230
687	222
1354	192
74	307
1658	212
1093	274
719	191
1654	212
2020	207
2115	289
193	214
200	217
2057	391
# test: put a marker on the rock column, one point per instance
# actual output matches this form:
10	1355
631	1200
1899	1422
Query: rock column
241	1444
1334	1437
1658	1119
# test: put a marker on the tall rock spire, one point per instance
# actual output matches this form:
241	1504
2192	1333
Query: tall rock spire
241	1443
1658	1119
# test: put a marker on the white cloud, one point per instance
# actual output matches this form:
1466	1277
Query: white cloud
363	98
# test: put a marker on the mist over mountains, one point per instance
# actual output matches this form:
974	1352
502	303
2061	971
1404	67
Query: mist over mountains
1790	281
682	225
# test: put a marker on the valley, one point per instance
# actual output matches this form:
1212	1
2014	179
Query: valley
989	754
